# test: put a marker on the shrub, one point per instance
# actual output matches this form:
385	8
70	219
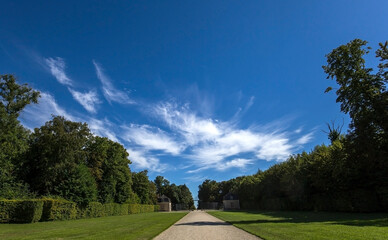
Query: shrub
115	209
58	209
124	209
146	208
157	207
109	209
93	209
21	211
133	208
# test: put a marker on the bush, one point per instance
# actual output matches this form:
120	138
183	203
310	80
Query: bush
147	208
133	208
93	209
115	209
123	209
21	211
58	209
157	207
140	208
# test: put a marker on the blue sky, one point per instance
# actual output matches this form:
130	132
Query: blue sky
192	89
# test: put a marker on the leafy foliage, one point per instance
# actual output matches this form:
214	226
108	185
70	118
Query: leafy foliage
55	162
13	136
58	209
178	194
109	164
144	188
20	211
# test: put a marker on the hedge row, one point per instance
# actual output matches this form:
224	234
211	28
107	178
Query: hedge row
359	200
21	211
28	211
96	209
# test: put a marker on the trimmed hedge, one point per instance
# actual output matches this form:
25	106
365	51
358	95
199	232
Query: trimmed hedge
115	209
133	208
34	210
58	209
21	211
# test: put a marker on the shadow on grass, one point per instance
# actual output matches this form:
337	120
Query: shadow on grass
203	223
350	219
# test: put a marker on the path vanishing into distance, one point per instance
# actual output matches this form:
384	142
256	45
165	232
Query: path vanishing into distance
198	225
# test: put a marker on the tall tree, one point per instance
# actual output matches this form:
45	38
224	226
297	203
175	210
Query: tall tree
162	185
109	164
361	92
57	159
144	188
13	136
363	95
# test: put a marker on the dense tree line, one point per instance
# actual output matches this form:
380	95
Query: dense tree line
63	158
349	174
178	194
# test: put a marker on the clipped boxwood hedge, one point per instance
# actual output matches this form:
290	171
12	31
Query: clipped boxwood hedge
58	209
47	209
133	208
21	211
94	209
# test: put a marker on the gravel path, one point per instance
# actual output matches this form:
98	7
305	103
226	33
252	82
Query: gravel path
200	225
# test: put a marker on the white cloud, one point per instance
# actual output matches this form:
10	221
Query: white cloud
305	139
35	115
236	163
275	148
196	178
193	128
141	160
151	138
212	142
110	92
57	68
88	100
103	128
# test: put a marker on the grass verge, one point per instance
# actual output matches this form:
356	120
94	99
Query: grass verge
309	225
136	226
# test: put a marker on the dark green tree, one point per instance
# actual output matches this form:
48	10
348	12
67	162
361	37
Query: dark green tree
13	136
109	164
186	197
363	95
209	191
56	160
162	185
143	187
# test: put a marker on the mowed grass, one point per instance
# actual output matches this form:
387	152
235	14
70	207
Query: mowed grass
309	225
136	226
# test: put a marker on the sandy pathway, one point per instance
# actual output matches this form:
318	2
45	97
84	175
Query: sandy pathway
200	225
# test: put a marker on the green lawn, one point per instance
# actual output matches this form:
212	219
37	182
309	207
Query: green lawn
136	226
309	225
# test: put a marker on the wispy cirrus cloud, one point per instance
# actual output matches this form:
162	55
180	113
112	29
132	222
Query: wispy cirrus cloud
193	128
37	114
142	160
103	128
89	100
212	143
111	93
151	138
57	68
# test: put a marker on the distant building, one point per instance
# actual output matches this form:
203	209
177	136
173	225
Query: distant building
231	202
164	204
